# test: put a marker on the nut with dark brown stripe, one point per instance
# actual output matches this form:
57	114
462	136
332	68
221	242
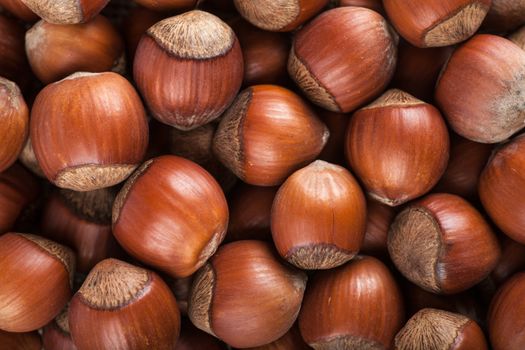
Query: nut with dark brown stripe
319	217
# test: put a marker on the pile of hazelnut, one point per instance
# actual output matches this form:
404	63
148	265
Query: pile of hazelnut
262	174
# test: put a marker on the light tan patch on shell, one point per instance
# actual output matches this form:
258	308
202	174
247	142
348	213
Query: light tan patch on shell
318	256
228	140
269	15
348	342
12	93
58	251
457	27
62	320
92	177
312	88
394	97
430	329
509	107
193	35
414	244
57	11
112	284
123	194
201	297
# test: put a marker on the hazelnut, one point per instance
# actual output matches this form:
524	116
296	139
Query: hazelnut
398	146
466	303
355	306
292	340
245	296
341	48
443	244
137	21
438	329
122	306
337	123
181	289
188	69
278	16
56	51
430	23
480	90
507	315
28	159
267	134
29	261
66	11
319	217
502	188
89	130
192	338
376	5
378	219
196	145
171	214
14	123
